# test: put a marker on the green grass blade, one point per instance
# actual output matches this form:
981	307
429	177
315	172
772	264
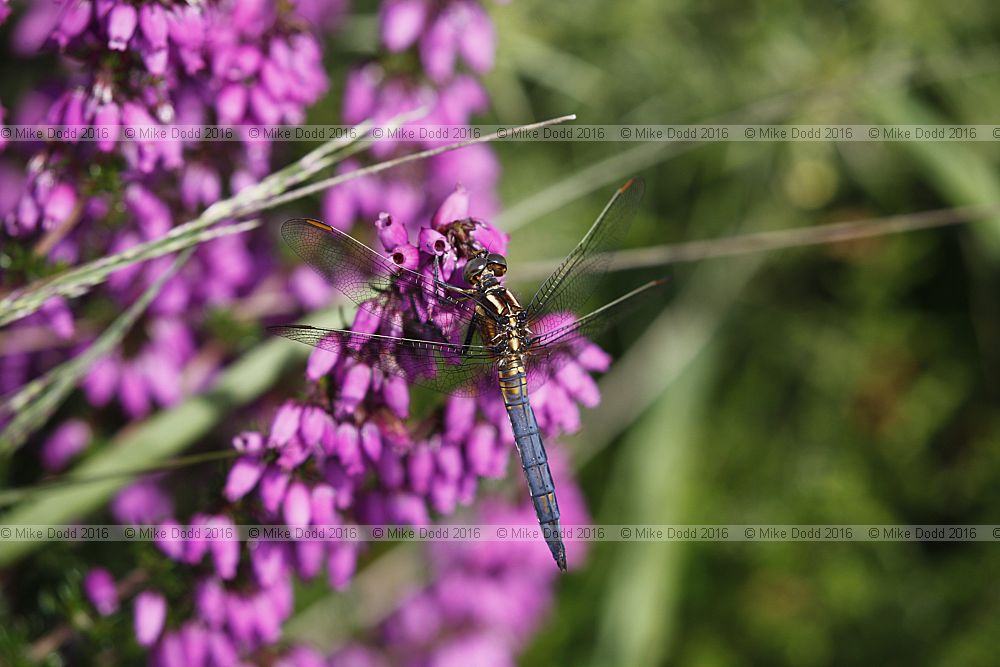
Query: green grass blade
32	406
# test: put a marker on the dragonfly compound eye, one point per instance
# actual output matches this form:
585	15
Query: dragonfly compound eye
473	269
497	263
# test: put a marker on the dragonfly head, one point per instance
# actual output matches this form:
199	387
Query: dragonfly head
485	268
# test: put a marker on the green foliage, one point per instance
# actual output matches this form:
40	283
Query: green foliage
851	382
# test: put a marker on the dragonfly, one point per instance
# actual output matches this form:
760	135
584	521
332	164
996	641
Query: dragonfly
465	340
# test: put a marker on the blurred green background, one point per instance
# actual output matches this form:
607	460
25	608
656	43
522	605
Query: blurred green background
845	383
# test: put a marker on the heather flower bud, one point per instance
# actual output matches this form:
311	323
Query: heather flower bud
225	547
75	19
59	206
231	103
479	449
273	485
401	22
355	386
321	361
297	505
107	117
66	442
210	601
348	448
321	503
341	563
285	424
243	477
437	50
477	41
101	591
454	207
150	613
420	468
449	462
122	21
397	395
153	22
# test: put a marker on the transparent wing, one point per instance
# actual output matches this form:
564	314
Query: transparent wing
572	283
561	342
364	275
462	370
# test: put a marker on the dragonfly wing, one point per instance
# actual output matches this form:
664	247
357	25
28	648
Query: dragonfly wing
573	282
561	342
463	370
362	274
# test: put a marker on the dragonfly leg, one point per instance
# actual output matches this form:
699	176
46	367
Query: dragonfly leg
472	331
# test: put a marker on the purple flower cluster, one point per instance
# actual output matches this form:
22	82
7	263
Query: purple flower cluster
485	599
143	65
440	32
348	452
352	456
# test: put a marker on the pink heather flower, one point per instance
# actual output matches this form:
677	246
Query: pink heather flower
341	563
579	384
312	424
101	591
249	442
285	424
449	462
371	441
355	386
59	206
438	50
153	22
225	550
321	361
309	557
402	22
66	442
297	502
477	41
390	233
170	545
459	418
321	503
594	358
200	185
195	548
150	614
231	103
433	242
397	395
58	317
406	256
75	19
361	92
454	207
479	449
269	562
210	601
348	448
420	468
122	21
107	117
273	485
142	502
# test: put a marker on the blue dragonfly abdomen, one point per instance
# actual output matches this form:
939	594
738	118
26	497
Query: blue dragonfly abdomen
534	462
